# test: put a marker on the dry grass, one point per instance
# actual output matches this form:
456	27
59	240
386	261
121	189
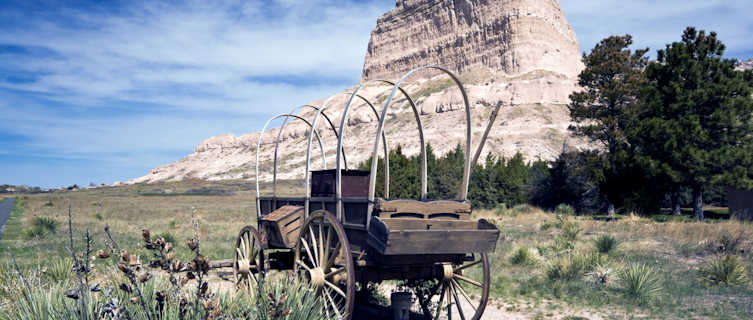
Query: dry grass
129	209
675	250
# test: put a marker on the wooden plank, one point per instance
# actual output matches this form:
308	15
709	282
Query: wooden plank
454	241
440	209
281	226
457	237
221	264
395	224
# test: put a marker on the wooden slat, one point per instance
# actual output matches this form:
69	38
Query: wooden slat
221	263
441	209
396	224
390	237
281	226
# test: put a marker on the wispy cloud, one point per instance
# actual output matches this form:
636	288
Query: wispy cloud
143	81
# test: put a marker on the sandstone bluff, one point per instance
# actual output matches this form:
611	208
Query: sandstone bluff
521	53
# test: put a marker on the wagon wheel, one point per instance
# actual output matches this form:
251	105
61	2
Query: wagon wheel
463	290
248	261
323	258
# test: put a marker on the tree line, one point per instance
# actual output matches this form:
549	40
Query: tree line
667	132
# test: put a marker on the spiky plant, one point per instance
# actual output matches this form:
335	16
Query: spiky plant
724	270
640	282
524	256
606	243
60	270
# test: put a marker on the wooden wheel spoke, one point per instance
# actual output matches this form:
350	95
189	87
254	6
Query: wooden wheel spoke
469	280
315	246
335	288
328	260
334	272
449	302
326	247
457	301
240	255
308	251
321	244
467	265
300	263
248	245
243	246
332	302
333	255
464	294
441	299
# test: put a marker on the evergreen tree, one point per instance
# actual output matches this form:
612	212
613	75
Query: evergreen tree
607	105
696	128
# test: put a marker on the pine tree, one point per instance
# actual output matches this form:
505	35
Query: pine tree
696	128
607	105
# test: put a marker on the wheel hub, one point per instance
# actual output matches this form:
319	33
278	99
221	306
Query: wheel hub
448	271
244	266
317	277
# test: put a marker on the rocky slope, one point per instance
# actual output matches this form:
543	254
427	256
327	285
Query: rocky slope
745	65
521	53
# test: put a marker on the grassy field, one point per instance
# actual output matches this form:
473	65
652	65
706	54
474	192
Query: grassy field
546	266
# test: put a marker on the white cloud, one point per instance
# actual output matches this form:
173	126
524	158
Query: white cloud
201	47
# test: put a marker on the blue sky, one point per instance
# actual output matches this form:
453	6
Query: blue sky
99	91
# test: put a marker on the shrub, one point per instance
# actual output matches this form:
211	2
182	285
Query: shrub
640	282
564	209
501	209
524	256
522	209
729	243
726	270
46	223
41	227
606	244
568	267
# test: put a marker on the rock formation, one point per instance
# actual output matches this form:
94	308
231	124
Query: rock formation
521	53
509	36
745	65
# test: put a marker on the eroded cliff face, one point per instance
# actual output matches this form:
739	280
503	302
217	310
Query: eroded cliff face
509	36
518	53
745	65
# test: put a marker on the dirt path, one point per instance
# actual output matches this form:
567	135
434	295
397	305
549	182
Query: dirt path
5	207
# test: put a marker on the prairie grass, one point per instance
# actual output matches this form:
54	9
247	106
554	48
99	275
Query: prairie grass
578	269
584	277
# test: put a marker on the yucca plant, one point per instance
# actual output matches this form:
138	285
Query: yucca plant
724	270
46	223
567	267
524	256
60	270
640	282
606	244
602	274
